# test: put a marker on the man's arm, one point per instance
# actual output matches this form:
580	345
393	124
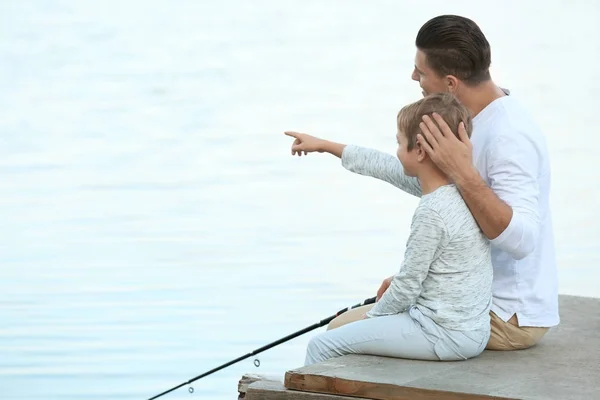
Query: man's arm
507	211
513	169
426	236
491	213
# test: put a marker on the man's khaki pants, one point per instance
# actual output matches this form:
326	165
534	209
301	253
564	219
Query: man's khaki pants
504	335
510	336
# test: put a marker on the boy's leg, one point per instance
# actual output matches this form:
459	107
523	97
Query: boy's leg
510	336
349	316
390	336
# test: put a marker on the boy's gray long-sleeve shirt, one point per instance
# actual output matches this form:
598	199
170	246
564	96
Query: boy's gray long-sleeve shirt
447	269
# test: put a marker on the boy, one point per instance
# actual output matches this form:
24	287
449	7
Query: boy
437	307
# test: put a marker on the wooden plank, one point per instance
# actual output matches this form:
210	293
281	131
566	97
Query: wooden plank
271	390
352	384
564	365
249	379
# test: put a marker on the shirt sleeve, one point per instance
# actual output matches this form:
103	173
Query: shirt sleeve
424	243
513	170
380	165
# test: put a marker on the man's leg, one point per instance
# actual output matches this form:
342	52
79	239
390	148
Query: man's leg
510	336
349	316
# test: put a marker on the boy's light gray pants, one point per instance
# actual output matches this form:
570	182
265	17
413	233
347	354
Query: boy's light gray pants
409	335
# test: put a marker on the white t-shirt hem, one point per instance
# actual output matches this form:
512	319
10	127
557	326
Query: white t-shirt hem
538	321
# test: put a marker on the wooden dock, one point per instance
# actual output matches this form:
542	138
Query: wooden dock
564	365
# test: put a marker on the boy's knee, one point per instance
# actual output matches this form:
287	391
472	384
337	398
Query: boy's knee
314	350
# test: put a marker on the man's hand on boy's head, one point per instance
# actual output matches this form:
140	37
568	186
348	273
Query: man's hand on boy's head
454	156
305	143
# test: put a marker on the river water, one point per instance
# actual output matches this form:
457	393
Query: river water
154	224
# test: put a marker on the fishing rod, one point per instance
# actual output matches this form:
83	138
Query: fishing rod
319	324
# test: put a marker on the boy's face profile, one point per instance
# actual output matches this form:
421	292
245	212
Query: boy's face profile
409	159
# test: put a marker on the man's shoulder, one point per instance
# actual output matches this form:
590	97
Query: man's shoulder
512	127
512	118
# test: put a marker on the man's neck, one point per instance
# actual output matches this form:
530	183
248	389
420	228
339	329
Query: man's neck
476	98
431	178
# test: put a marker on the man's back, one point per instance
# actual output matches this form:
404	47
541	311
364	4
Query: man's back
510	153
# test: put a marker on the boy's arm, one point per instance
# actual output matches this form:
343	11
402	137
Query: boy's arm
380	165
360	160
427	232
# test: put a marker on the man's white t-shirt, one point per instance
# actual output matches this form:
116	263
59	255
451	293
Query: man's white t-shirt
511	155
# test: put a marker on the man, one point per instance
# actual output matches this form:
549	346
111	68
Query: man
502	172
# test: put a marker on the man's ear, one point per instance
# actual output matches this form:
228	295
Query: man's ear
452	83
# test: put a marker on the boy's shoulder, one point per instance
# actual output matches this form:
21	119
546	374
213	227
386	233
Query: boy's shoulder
442	200
448	205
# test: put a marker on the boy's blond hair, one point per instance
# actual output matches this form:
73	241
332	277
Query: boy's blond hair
445	104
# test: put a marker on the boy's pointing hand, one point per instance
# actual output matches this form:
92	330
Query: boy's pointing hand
305	143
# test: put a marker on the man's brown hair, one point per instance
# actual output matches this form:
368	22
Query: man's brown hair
445	104
455	45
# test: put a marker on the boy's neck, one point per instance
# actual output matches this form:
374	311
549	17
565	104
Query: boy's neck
431	178
478	97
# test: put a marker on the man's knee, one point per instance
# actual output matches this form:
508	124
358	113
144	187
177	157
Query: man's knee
336	323
352	315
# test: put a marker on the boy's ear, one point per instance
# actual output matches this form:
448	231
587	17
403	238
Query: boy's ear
421	153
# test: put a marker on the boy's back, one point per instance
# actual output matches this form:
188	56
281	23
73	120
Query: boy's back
458	284
449	256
